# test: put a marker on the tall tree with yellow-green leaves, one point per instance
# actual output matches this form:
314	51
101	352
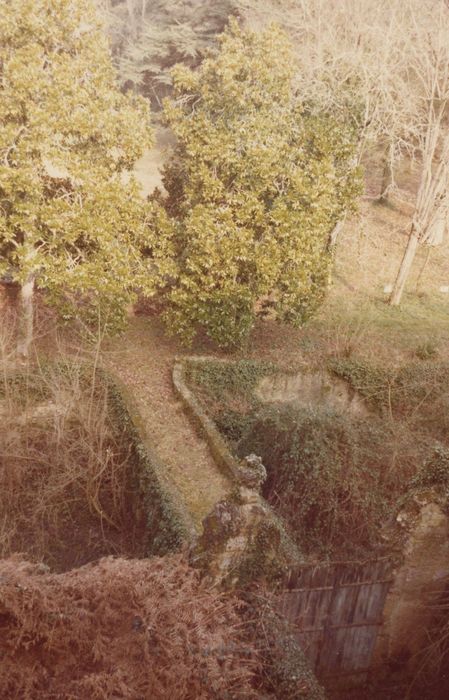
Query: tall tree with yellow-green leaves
68	222
255	187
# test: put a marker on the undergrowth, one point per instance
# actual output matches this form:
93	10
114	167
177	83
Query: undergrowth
337	479
416	394
226	380
227	391
434	471
143	629
67	492
326	475
430	678
121	629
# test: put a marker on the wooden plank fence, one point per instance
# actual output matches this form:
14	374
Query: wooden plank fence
336	612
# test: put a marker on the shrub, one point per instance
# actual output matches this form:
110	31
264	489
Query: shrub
224	379
232	424
255	186
368	380
67	489
286	671
435	470
325	475
419	385
417	393
427	350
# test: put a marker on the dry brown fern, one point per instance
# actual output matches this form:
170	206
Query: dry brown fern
132	629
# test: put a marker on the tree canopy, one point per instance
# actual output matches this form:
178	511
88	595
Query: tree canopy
255	186
149	38
67	218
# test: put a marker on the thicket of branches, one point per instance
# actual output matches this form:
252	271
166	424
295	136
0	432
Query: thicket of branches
67	494
430	678
149	38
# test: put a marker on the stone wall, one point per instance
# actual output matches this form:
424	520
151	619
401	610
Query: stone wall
420	577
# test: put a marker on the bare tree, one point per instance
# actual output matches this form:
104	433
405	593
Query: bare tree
382	65
429	78
351	62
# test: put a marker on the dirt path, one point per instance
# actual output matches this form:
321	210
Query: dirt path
148	168
143	359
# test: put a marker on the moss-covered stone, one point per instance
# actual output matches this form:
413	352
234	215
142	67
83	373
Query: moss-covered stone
288	675
243	541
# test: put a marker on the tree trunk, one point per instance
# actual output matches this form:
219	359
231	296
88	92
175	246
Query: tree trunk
387	174
132	18
437	230
333	236
26	317
405	267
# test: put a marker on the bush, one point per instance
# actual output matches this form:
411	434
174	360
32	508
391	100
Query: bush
417	393
287	672
427	350
435	470
232	424
419	385
229	379
325	475
68	493
370	381
255	186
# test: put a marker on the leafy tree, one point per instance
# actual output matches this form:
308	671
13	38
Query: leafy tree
255	186
149	38
385	65
68	221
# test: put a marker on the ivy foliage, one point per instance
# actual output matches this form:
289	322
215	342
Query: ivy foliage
435	470
229	379
417	392
227	391
324	475
67	217
255	186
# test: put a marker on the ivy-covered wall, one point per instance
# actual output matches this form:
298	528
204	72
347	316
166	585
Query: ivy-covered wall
168	523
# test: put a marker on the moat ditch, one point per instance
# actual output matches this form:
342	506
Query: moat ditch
78	481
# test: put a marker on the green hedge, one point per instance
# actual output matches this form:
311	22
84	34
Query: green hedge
168	523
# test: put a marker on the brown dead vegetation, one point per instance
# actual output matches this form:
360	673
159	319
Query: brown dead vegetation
120	629
66	488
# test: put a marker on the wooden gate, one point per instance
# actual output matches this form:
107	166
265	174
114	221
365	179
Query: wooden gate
336	612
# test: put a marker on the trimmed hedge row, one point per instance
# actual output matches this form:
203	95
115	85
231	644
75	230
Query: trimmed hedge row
168	522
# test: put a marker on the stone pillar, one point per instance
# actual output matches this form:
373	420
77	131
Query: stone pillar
419	579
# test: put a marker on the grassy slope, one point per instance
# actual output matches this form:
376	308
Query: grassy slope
356	318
